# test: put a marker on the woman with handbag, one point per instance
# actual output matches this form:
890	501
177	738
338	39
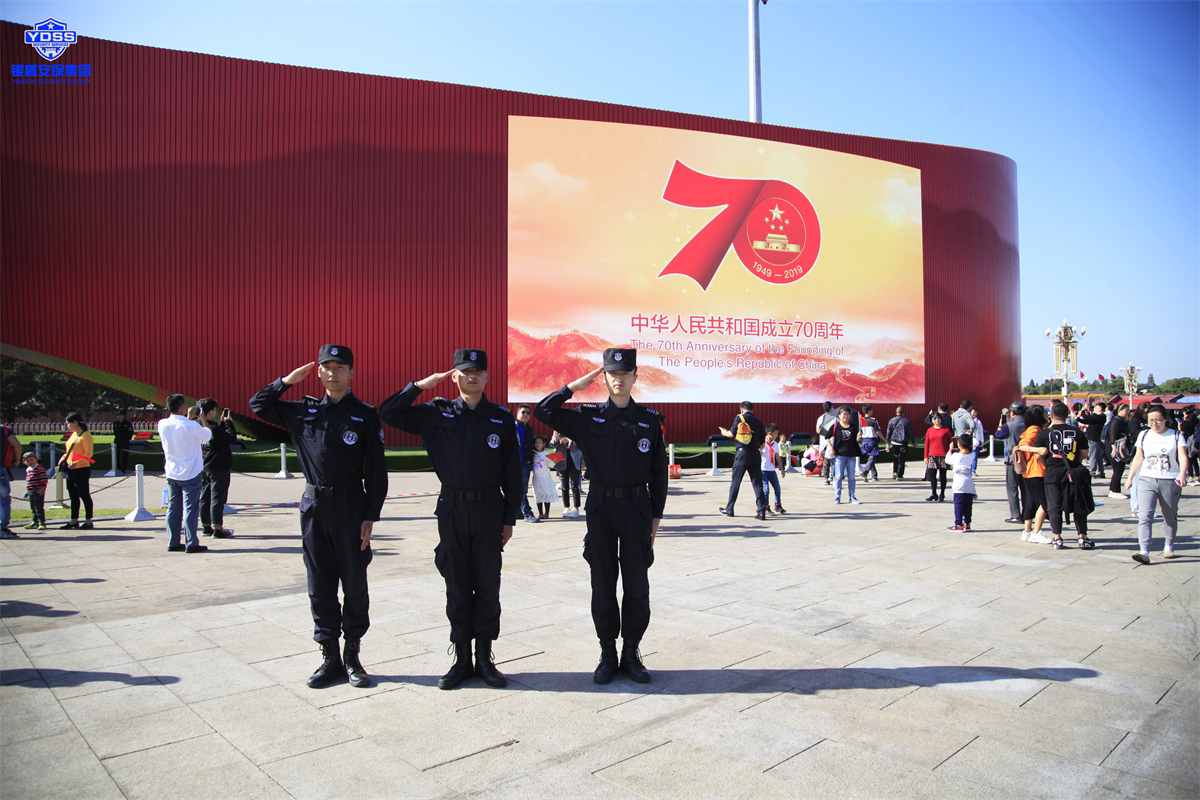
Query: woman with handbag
77	460
1030	466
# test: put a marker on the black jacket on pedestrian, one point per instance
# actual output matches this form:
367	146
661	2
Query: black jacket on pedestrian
218	452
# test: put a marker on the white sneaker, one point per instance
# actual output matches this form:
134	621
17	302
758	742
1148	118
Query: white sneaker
566	513
1118	496
856	502
1025	535
574	513
1037	537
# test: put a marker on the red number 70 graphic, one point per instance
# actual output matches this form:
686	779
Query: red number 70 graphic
771	225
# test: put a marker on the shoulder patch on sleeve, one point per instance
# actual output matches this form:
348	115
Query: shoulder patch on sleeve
502	408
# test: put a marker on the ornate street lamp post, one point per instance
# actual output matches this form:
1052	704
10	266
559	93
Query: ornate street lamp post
1131	380
1066	353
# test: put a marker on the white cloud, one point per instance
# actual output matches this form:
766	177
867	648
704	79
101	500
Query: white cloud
541	178
902	203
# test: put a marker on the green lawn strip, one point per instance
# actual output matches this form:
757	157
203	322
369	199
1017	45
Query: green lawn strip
399	459
55	513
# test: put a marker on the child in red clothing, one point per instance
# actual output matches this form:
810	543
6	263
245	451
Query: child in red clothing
35	491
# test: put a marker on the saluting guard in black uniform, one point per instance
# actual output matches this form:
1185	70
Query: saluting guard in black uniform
339	442
473	445
622	443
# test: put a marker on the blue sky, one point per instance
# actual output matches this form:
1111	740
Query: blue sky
1097	102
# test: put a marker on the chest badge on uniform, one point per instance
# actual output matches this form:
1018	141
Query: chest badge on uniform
349	437
644	445
493	441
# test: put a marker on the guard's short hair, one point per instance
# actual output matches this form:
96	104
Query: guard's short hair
524	407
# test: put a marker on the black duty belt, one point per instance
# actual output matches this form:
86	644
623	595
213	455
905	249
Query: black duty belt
622	492
471	495
329	491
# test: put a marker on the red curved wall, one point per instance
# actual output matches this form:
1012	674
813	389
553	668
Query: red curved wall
196	224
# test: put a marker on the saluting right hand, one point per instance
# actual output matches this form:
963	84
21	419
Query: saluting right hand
299	374
433	380
582	383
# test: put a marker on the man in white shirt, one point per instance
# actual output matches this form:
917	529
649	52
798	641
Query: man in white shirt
182	439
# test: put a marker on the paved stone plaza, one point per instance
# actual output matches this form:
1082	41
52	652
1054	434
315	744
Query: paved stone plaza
840	651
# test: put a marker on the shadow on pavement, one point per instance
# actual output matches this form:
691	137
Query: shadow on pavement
804	681
725	530
62	677
23	608
32	581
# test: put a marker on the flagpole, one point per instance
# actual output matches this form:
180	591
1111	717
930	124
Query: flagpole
755	67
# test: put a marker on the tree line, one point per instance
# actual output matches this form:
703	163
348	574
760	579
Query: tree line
31	391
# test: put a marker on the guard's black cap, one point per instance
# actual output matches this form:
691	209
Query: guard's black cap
620	359
335	352
470	359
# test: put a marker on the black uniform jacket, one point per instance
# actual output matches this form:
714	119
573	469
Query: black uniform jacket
623	447
338	444
122	432
470	449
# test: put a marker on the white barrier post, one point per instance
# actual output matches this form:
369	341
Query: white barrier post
58	478
714	472
991	449
787	446
283	473
112	470
37	451
140	514
670	454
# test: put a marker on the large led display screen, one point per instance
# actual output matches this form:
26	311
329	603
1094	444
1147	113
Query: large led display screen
739	268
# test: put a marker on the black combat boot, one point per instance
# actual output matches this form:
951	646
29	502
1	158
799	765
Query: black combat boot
330	669
485	667
354	668
608	662
631	663
462	669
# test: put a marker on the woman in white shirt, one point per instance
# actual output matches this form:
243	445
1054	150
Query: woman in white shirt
1161	458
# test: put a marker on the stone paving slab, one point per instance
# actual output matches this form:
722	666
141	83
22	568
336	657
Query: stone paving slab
839	651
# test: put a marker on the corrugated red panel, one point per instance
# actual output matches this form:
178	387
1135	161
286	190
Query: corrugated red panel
202	224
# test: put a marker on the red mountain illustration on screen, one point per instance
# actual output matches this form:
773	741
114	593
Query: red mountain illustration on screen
902	382
537	367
